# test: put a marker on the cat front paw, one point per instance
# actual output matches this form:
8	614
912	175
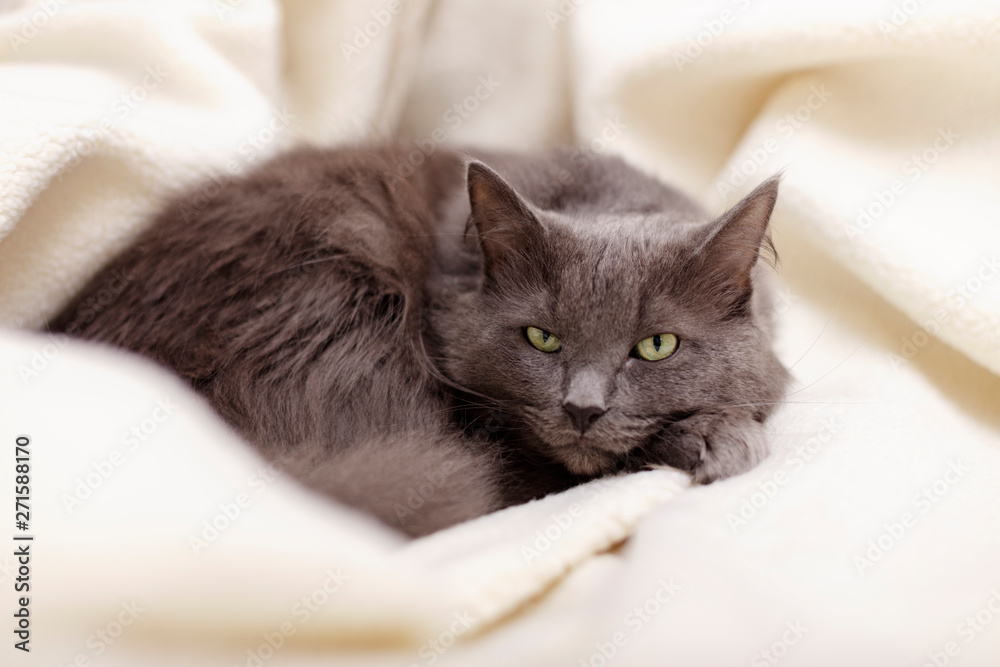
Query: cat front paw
713	445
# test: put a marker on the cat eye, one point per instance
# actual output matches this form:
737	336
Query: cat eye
656	347
542	340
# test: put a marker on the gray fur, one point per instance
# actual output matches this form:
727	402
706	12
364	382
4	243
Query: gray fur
369	327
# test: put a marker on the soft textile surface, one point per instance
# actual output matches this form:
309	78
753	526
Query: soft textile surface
870	537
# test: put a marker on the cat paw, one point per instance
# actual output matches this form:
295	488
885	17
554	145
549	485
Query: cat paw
713	445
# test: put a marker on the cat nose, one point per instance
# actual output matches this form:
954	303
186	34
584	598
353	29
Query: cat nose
582	415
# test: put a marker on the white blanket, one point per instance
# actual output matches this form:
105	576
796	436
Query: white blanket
870	537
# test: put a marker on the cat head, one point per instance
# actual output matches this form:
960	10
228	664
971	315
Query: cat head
595	330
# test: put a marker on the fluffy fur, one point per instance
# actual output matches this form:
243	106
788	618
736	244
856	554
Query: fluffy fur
362	320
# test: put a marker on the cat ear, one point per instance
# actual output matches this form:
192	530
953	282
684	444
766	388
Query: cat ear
507	227
735	240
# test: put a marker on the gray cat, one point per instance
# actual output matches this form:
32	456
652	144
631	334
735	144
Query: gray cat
435	346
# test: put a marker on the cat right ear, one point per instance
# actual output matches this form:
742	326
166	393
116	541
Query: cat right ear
507	228
733	244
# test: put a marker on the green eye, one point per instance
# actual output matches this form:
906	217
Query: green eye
656	347
542	340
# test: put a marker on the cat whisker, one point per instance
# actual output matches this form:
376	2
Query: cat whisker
433	370
779	402
822	377
833	313
318	260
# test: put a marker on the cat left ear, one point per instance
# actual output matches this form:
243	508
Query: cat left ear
735	240
507	227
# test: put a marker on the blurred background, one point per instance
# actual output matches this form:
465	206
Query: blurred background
884	118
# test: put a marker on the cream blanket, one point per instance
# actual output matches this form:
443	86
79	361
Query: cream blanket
870	537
